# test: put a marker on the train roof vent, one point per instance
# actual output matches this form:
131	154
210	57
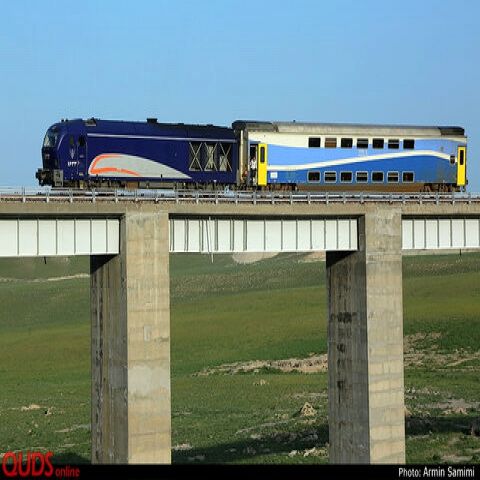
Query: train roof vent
91	122
152	120
452	130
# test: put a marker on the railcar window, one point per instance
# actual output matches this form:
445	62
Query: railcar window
81	141
262	154
330	177
452	159
362	142
71	140
408	144
377	143
462	157
392	177
394	143
313	176
377	177
346	142
362	177
314	142
346	177
331	142
408	177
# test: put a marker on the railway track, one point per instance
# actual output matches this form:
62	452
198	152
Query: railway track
32	194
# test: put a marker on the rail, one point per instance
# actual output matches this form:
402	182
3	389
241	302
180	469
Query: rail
32	194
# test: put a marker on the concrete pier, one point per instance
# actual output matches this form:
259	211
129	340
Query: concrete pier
130	309
365	344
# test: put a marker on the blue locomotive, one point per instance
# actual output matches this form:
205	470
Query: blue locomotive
95	152
251	154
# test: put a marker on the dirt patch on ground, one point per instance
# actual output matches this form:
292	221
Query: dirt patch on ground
245	258
85	426
42	280
32	406
421	350
455	406
456	459
314	257
312	364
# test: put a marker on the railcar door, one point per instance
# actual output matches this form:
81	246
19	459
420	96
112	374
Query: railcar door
262	165
461	166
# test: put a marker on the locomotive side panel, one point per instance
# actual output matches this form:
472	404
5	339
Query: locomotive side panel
139	154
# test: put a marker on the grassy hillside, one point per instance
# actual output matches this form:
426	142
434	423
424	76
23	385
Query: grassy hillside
223	314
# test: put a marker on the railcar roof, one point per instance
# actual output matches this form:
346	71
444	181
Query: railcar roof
347	128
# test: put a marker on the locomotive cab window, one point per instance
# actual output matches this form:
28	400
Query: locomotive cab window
407	177
377	177
314	142
313	176
408	144
50	139
362	177
346	177
346	142
330	177
362	142
81	141
330	142
462	157
377	143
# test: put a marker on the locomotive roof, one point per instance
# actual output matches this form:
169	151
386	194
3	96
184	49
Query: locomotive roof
347	128
149	127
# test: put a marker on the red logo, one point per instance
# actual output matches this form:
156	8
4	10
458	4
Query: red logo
35	465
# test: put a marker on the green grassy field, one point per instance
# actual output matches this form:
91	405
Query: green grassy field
225	313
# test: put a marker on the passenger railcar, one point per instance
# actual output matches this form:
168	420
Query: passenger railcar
95	152
324	156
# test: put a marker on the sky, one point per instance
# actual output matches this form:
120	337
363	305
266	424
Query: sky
216	61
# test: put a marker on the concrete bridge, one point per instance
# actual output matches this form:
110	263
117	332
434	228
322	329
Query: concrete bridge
129	244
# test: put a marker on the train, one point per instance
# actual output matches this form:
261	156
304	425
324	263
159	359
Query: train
257	155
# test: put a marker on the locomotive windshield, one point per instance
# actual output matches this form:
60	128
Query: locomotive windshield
50	138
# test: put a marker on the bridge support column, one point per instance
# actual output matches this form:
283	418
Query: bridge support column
130	309
365	345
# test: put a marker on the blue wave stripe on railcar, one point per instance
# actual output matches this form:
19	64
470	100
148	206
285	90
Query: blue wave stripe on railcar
291	156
